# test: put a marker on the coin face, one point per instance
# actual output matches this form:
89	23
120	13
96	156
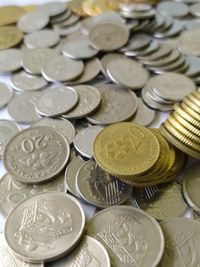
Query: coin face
9	37
189	42
36	155
173	9
119	225
10	60
6	95
53	8
48	226
10	14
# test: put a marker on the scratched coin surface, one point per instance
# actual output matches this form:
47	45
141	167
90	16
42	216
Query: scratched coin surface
181	242
6	95
36	155
99	188
44	227
138	236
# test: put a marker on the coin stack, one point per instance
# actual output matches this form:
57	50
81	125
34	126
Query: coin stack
182	126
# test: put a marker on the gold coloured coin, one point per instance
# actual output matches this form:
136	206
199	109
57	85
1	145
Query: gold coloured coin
189	110
30	8
182	113
100	6
191	104
126	149
113	4
76	7
88	7
9	37
196	94
186	124
10	14
194	100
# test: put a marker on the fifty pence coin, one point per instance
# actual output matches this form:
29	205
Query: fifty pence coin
10	60
36	155
44	227
6	95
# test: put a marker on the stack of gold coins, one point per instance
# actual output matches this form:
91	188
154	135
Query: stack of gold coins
182	128
137	155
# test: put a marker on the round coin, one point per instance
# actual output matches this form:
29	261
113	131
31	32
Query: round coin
52	8
10	14
10	60
6	95
61	219
10	36
173	9
134	232
189	42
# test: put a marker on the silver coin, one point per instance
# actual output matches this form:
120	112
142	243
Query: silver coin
153	47
60	68
84	140
120	224
41	39
22	81
195	9
144	115
138	15
36	155
44	227
6	95
72	19
137	42
64	31
172	57
135	7
22	108
57	101
28	22
193	67
89	251
173	9
189	42
70	175
89	101
10	60
7	130
175	29
192	24
107	58
99	188
77	47
61	17
63	126
13	192
108	36
52	8
116	105
34	60
127	73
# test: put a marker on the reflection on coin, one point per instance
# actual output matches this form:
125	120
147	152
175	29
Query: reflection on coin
53	8
10	36
10	60
22	108
58	216
56	101
89	252
99	188
119	225
189	42
182	242
84	140
36	155
6	95
7	130
23	81
64	126
13	192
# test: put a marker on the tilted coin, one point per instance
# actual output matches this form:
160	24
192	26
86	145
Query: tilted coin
192	24
53	8
10	36
10	60
64	126
72	19
22	108
41	39
173	9
195	9
189	42
44	227
6	95
138	15
7	130
64	31
61	17
89	251
84	140
116	105
36	155
56	101
174	30
89	101
193	67
106	59
108	36
62	69
181	242
22	81
10	14
76	7
99	188
138	236
28	23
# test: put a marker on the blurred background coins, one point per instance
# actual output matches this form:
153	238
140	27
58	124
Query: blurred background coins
10	14
6	95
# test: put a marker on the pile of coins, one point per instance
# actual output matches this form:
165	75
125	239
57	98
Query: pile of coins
182	126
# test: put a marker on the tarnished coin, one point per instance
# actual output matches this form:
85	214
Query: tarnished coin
53	8
173	9
84	140
63	126
10	36
182	242
10	60
13	192
34	60
6	95
89	101
23	81
22	108
36	155
10	14
7	130
138	236
62	69
99	188
28	22
41	39
108	36
44	227
189	42
89	251
56	101
116	105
